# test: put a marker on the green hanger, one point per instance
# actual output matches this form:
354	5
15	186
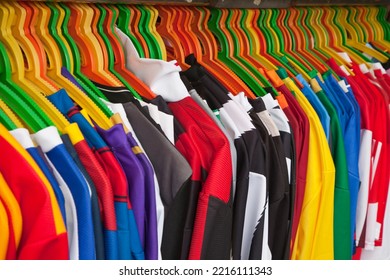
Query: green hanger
382	13
343	32
236	54
20	102
223	54
89	88
273	22
271	47
77	58
123	23
154	48
111	57
6	121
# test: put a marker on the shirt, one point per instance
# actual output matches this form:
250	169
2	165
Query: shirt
111	183
44	232
315	235
52	146
248	213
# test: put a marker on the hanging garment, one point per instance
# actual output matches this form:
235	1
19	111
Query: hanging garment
97	224
251	187
44	233
112	187
12	222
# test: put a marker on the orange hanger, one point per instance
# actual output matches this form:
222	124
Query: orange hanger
171	39
288	41
135	21
92	64
120	60
210	52
36	70
296	26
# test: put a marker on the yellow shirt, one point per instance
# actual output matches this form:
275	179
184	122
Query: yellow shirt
314	239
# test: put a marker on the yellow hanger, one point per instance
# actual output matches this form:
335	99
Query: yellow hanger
255	41
315	19
356	36
36	68
152	27
372	19
268	18
17	122
18	66
93	64
337	33
42	13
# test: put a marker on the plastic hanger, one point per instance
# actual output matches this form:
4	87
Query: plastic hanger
209	59
216	24
303	44
299	61
70	53
17	99
251	49
135	24
113	43
123	23
41	14
20	20
288	37
232	25
5	120
144	28
341	23
181	23
358	37
171	40
153	31
337	40
321	38
270	47
10	115
92	59
17	64
380	14
371	21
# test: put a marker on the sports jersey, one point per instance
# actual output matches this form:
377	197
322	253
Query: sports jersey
384	161
345	110
378	191
97	222
12	223
365	149
342	224
150	197
110	180
172	170
119	110
315	233
208	242
71	214
44	233
317	106
248	214
279	193
164	120
23	137
52	146
116	138
301	131
233	151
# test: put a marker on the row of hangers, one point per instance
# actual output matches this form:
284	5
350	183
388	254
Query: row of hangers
39	40
250	42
